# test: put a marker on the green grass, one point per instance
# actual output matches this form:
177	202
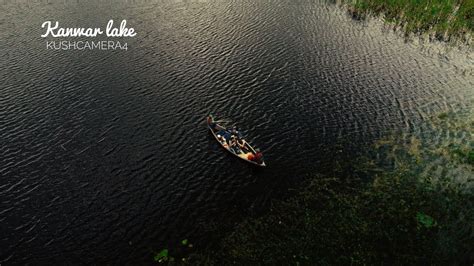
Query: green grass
443	115
443	17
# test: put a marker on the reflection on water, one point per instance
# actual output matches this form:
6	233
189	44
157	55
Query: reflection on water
105	154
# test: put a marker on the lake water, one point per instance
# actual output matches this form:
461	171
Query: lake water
105	156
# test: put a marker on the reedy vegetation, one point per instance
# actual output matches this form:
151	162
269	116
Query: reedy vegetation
445	19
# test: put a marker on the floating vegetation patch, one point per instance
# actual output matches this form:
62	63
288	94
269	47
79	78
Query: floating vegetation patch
178	255
425	220
161	256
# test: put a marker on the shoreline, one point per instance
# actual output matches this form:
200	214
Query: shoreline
454	52
433	21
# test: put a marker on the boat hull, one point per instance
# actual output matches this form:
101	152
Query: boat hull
242	156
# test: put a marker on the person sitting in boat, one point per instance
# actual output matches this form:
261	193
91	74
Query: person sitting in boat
241	143
210	121
225	144
235	131
223	141
225	134
234	144
220	138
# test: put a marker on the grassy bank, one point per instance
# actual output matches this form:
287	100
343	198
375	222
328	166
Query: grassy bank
408	202
445	19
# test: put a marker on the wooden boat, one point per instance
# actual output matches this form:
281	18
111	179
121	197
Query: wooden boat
244	153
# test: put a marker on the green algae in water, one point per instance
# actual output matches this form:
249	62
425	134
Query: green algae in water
470	157
425	220
161	256
443	116
174	253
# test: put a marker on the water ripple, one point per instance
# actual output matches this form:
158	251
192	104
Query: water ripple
107	154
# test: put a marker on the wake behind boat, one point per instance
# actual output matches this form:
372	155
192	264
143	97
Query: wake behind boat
232	141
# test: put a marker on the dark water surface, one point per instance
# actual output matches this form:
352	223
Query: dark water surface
105	154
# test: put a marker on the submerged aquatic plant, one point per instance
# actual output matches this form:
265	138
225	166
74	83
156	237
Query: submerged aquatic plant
470	157
180	253
425	220
161	256
413	211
